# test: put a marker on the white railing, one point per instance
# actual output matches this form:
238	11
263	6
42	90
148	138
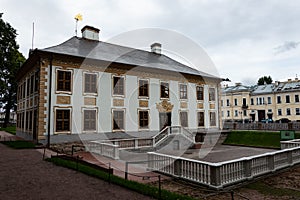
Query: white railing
290	144
163	134
105	149
218	175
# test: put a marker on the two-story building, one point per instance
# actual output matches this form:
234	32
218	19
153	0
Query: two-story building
88	86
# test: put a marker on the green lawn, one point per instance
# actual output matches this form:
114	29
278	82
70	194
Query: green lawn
19	144
9	129
135	186
255	138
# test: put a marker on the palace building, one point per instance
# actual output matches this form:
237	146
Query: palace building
262	102
88	86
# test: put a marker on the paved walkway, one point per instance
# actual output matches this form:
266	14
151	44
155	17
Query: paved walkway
24	175
4	136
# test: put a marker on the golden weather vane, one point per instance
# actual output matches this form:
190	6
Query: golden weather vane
77	18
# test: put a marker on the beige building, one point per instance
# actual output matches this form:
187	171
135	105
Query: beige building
261	102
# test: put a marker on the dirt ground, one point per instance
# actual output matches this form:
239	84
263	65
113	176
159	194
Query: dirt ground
24	175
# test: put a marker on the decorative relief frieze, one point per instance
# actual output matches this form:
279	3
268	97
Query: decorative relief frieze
143	103
89	101
118	102
200	105
183	105
63	100
164	106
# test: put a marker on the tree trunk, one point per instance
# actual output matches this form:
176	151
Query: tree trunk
8	107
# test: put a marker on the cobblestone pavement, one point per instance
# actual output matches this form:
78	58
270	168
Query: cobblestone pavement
24	175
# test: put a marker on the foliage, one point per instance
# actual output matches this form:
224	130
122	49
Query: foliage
10	61
9	129
19	144
135	186
264	80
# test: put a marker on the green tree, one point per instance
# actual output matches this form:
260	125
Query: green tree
10	61
264	80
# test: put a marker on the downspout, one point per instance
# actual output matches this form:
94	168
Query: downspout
49	104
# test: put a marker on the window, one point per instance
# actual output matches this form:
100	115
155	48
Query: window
118	83
252	101
31	84
183	91
62	120
199	91
36	81
235	102
288	111
28	87
287	99
228	113
236	113
164	90
227	102
222	113
90	83
222	103
89	120
297	111
279	112
212	95
244	102
184	119
63	81
278	99
269	100
200	116
143	119
118	120
24	88
245	113
212	119
296	98
143	88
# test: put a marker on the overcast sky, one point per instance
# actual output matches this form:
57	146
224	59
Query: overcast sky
245	39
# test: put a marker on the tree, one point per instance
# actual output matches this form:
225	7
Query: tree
10	61
264	80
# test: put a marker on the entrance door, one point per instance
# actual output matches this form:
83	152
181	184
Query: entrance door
261	115
164	120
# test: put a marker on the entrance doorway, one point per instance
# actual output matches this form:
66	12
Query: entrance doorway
261	115
164	120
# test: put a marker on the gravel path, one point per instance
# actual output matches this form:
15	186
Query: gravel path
24	175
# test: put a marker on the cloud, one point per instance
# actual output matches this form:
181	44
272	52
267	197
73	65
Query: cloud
286	46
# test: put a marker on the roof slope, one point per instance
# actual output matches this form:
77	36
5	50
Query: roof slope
99	50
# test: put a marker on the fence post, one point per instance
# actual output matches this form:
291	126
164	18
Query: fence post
178	167
290	157
136	143
247	168
271	163
116	152
215	175
150	161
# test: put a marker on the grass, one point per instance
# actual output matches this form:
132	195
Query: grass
9	129
273	191
132	185
19	144
254	139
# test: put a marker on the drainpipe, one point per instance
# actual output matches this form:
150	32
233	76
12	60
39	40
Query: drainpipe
49	104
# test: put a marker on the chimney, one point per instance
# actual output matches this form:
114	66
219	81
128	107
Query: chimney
90	33
156	48
289	80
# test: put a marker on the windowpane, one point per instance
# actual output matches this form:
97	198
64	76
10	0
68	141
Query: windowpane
164	90
199	91
183	91
200	118
90	81
63	80
118	83
184	119
212	94
62	120
118	118
143	119
278	99
143	88
297	98
287	98
89	120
